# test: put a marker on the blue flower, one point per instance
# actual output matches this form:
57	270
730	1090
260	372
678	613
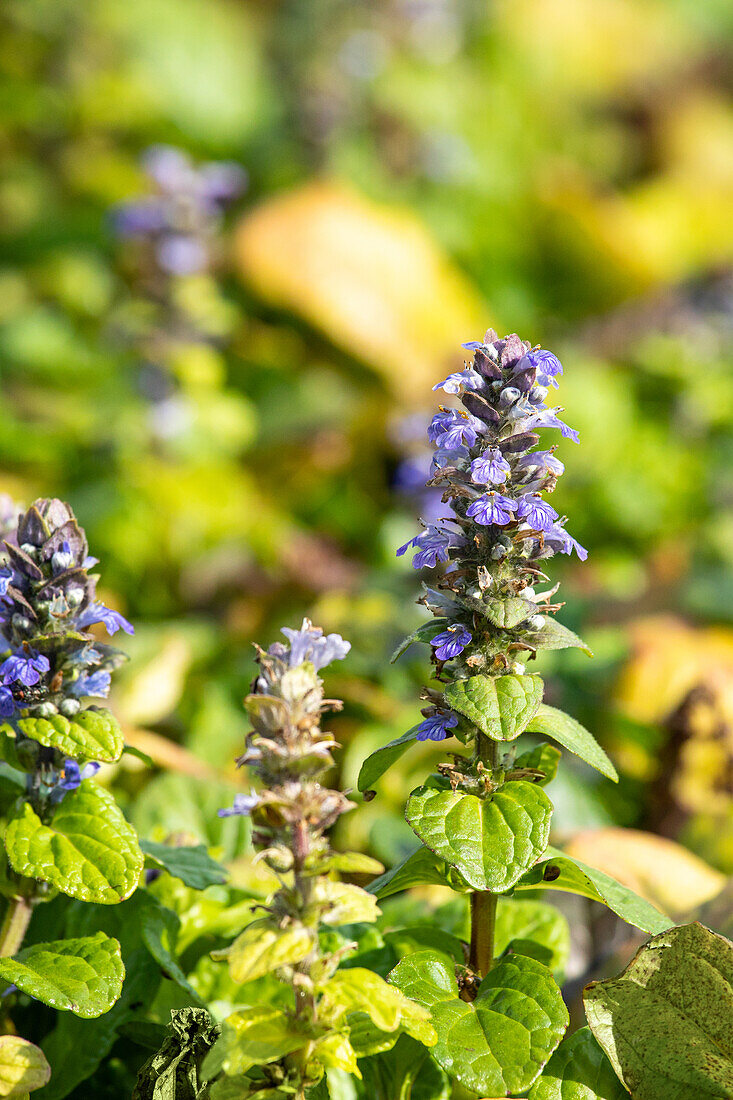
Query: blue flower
96	684
24	669
541	461
549	419
73	774
557	538
436	727
432	545
451	429
309	644
536	512
62	558
442	457
468	378
6	576
243	806
492	508
112	620
490	469
7	702
547	365
449	643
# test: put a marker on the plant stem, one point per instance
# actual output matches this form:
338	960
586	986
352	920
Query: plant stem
15	926
483	902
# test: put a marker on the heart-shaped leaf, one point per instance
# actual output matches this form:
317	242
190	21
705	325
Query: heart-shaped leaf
509	612
83	976
92	734
666	1023
23	1067
557	871
578	1070
192	864
490	841
561	727
501	706
383	758
88	850
498	1043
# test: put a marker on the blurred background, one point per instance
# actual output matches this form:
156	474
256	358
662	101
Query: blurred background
239	242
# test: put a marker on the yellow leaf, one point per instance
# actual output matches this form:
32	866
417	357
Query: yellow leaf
23	1067
658	869
369	276
258	951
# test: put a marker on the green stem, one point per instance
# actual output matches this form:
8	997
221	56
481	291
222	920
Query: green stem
15	926
483	902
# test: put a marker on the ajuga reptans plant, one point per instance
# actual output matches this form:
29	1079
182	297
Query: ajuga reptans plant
484	819
329	1017
62	832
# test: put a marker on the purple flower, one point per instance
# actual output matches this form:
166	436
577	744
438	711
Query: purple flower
24	669
73	774
541	461
7	703
468	378
490	469
557	538
112	620
181	255
309	644
492	508
549	419
536	512
97	684
436	727
442	457
451	429
6	576
449	643
546	364
432	545
62	558
243	806
139	219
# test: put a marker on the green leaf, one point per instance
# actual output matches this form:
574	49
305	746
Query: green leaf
23	1067
499	1042
557	871
92	734
130	750
424	633
406	1072
192	864
350	863
491	841
383	758
561	727
519	919
543	758
83	976
666	1023
253	1037
421	868
553	635
261	949
88	850
360	990
578	1070
509	612
501	706
404	941
159	928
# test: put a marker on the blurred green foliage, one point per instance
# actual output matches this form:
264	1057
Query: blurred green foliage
561	168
